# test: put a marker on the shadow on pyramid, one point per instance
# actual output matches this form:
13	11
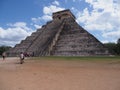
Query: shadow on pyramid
60	37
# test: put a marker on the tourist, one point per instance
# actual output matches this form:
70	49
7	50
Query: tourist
4	55
22	57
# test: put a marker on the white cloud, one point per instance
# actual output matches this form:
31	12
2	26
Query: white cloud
37	26
21	25
47	10
14	34
50	9
104	16
17	24
82	17
113	34
36	20
46	17
55	3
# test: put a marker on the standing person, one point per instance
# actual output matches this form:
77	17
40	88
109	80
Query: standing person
4	55
22	57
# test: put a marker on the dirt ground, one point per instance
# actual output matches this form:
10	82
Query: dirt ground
59	75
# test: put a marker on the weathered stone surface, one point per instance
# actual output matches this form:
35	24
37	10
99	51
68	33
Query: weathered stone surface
60	37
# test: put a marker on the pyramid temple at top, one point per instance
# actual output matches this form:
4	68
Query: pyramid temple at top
62	36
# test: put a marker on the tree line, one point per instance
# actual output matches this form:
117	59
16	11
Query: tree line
114	48
4	49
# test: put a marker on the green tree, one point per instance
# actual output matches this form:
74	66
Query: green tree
3	49
114	48
118	47
118	41
111	47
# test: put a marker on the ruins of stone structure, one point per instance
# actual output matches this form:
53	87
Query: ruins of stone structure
60	37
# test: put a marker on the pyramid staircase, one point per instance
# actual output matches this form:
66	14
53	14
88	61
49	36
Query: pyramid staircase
60	37
75	41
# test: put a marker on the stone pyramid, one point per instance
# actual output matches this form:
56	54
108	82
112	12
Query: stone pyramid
60	37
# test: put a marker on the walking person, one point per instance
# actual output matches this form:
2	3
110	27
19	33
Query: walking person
4	55
22	57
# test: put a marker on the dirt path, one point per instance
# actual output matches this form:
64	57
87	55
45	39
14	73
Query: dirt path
58	75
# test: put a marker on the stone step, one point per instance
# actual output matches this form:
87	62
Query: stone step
44	40
72	44
77	40
77	48
77	53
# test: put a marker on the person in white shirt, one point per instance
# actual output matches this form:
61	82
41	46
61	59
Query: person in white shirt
4	55
22	57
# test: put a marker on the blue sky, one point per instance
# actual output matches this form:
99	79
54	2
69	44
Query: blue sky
19	18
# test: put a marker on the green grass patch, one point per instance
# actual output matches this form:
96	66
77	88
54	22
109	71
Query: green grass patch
86	58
